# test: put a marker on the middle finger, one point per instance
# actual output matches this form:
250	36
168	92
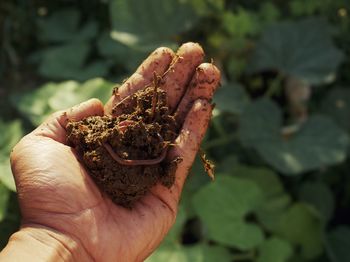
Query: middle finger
180	72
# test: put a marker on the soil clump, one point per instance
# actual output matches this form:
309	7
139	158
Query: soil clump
125	153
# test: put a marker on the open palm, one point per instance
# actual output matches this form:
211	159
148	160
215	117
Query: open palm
56	192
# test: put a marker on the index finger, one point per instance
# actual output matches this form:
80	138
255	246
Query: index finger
158	62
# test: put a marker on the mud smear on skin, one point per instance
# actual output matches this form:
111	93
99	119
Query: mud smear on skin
125	152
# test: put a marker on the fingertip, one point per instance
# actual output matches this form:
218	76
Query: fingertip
91	107
96	104
210	70
191	48
164	52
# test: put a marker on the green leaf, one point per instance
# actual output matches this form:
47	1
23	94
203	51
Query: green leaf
63	26
223	205
337	105
120	53
318	195
68	61
318	142
6	176
60	26
231	98
215	253
227	164
269	12
11	133
87	32
197	253
269	213
208	7
10	223
303	49
275	249
70	93
310	7
63	61
275	200
34	104
301	226
338	244
4	196
266	179
150	23
51	97
196	179
241	23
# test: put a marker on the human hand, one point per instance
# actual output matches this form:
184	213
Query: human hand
60	202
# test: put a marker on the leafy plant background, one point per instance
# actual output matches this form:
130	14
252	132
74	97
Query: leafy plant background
280	131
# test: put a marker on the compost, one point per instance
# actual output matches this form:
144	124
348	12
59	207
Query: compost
125	152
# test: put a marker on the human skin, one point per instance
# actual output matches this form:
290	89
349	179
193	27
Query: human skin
65	216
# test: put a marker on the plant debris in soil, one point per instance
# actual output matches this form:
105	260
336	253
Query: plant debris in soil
125	152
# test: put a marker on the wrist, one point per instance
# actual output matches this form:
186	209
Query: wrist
43	244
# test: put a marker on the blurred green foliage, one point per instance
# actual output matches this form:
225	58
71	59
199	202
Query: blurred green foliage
280	130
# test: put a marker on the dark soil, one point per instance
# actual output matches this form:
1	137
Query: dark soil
125	153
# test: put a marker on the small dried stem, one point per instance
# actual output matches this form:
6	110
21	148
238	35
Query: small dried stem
156	82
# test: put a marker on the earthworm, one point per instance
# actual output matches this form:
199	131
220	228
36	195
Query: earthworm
136	162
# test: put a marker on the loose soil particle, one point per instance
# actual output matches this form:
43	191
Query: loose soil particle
125	152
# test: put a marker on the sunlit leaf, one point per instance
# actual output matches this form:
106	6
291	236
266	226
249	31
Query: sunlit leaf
51	97
319	142
222	206
303	49
71	93
6	176
34	105
4	196
11	134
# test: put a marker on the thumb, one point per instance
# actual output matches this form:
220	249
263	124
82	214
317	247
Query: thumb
55	126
